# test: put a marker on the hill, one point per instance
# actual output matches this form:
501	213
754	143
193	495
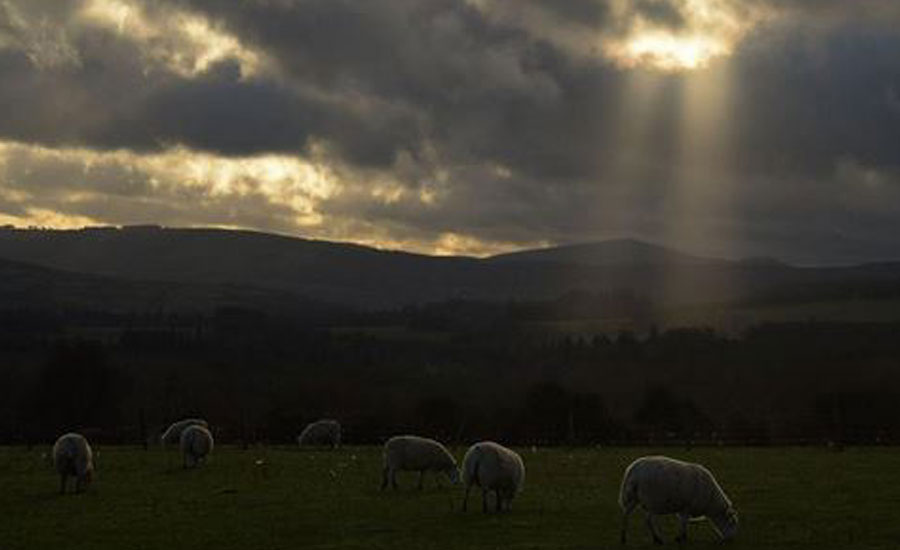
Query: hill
618	252
35	288
279	268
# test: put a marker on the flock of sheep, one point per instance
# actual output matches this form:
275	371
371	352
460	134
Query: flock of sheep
659	485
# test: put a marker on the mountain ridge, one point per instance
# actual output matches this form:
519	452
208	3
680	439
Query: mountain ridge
608	252
359	276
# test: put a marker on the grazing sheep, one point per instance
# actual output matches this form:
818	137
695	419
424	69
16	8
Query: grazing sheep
321	432
495	468
416	454
72	456
664	485
196	443
172	435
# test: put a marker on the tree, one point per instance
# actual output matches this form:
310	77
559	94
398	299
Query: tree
77	388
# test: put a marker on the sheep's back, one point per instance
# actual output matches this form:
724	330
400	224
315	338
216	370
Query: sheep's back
72	455
196	440
320	431
493	466
417	453
668	486
172	435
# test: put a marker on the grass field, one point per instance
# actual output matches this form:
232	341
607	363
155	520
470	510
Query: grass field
282	498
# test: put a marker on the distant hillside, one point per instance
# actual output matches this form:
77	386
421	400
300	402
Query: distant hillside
288	269
619	252
25	286
316	269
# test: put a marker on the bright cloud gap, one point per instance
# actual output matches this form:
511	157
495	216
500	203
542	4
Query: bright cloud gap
711	30
71	188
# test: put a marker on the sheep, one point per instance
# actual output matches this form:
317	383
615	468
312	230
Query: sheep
321	432
417	454
663	485
493	467
196	443
72	456
172	435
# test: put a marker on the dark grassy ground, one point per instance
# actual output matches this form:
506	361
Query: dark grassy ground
286	498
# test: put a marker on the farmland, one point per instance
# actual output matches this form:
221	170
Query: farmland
281	497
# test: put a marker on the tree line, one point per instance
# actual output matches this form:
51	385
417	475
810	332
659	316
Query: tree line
260	377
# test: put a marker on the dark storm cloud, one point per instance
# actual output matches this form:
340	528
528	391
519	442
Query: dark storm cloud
522	115
374	80
109	98
595	13
803	102
219	113
661	12
492	92
485	90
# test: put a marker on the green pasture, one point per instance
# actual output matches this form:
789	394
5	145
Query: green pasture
285	498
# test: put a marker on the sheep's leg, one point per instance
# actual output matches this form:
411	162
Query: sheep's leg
79	485
421	478
499	504
466	498
651	525
394	479
62	484
626	513
683	519
484	499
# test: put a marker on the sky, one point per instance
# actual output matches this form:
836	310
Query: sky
731	128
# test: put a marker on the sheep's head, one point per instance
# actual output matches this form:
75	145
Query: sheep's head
453	474
727	523
88	476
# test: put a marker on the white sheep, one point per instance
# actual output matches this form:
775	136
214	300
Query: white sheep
416	454
664	485
321	432
196	443
172	435
493	467
72	456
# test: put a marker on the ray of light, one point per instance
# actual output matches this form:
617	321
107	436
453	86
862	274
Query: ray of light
699	200
702	192
630	171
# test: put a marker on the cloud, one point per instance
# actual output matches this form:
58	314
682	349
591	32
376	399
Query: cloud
71	187
806	98
461	125
43	40
178	187
182	42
